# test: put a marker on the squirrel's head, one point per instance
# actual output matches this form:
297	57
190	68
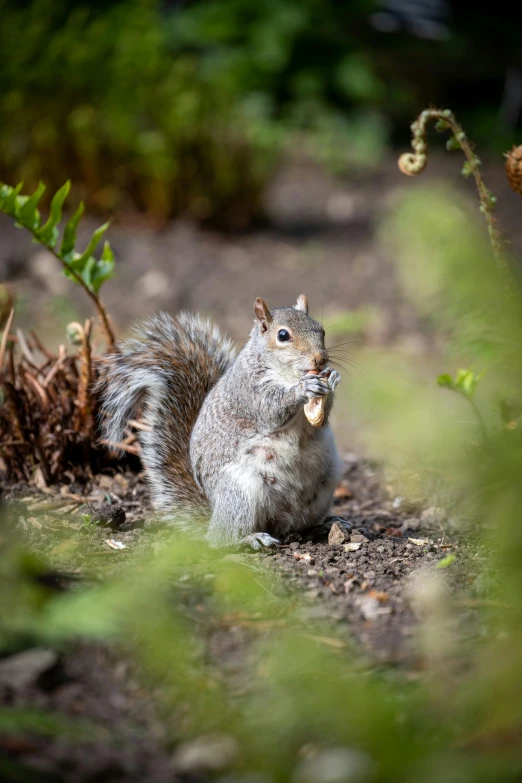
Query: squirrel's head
295	341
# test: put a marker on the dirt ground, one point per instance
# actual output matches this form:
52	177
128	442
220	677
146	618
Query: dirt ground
356	576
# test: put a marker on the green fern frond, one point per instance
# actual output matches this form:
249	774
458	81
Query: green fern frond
84	268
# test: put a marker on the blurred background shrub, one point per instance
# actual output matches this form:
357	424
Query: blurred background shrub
184	107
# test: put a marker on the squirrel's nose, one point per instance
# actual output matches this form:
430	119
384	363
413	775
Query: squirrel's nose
319	359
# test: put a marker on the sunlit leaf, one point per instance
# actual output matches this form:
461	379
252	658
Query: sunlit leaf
445	380
48	234
69	233
104	268
93	243
28	215
9	205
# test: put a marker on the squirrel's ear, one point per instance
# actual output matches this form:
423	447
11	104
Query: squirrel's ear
263	314
301	304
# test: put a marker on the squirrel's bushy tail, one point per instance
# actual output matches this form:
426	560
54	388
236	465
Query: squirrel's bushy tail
164	371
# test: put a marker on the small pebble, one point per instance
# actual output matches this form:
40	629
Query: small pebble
338	535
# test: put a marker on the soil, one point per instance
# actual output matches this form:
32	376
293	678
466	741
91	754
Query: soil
364	591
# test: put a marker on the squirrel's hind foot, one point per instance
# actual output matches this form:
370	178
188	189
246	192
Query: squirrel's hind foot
259	541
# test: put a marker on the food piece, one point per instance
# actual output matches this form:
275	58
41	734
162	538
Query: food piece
314	408
314	411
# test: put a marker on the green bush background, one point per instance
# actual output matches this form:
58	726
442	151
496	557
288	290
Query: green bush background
185	107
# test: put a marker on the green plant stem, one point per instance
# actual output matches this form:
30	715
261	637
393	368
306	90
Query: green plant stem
109	334
412	163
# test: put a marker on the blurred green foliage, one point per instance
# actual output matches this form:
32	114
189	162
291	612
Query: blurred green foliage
97	92
184	108
465	382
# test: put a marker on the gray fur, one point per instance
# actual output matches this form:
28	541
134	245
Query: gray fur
255	459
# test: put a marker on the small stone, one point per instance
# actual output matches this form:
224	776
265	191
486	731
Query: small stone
304	557
213	753
294	545
357	538
23	669
338	535
420	541
371	608
335	765
39	479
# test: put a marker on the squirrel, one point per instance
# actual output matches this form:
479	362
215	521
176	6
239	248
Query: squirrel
228	437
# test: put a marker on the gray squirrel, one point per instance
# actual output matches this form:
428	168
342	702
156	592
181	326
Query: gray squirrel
228	438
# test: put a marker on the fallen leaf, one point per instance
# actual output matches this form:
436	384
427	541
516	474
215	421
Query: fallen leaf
305	556
342	493
350	583
420	541
211	753
393	531
68	509
328	640
379	596
115	544
371	608
39	479
21	669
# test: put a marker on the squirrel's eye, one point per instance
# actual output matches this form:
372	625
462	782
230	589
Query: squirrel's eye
283	336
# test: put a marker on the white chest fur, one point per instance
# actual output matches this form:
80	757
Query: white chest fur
289	475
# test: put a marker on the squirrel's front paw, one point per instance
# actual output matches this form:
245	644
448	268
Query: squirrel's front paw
332	377
314	386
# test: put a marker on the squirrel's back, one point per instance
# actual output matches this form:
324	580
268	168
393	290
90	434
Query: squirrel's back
164	371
